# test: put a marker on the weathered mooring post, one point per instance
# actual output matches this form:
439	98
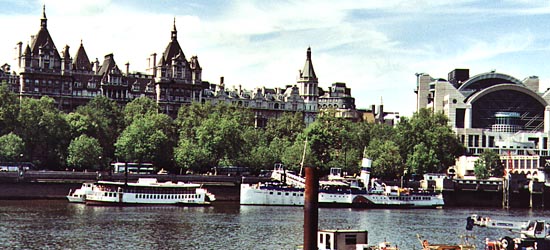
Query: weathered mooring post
311	209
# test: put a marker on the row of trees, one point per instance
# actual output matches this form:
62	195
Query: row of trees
205	135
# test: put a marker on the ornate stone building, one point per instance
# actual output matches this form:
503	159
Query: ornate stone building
170	79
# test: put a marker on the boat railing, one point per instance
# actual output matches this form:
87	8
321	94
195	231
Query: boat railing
279	174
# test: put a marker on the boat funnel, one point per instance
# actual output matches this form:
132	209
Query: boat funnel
365	171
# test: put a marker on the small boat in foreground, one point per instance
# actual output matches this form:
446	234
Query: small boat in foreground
464	245
147	191
79	194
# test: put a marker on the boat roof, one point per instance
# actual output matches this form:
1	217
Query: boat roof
150	182
343	230
333	183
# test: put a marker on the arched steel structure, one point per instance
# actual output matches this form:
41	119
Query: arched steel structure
485	80
507	98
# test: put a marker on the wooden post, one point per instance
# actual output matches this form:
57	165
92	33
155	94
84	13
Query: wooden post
311	207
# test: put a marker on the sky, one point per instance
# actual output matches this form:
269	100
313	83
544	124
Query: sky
375	47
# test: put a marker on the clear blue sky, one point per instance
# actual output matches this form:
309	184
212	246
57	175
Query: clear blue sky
375	47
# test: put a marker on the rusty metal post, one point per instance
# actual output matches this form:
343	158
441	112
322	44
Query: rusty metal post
311	207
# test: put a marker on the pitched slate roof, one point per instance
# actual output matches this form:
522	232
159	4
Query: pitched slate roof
108	64
173	49
81	60
43	38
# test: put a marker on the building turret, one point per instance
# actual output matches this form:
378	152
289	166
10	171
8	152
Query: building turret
309	90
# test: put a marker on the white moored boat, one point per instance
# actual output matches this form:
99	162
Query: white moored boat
147	191
337	193
79	195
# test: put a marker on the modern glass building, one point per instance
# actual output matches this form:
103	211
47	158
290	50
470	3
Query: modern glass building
492	111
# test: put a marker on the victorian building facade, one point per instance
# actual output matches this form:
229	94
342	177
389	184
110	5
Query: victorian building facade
171	79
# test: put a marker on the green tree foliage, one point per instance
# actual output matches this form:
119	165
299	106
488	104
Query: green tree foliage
481	171
220	134
141	141
9	110
11	147
287	126
45	132
433	132
329	142
138	108
488	164
422	160
492	160
100	118
207	135
386	160
294	154
190	117
165	158
85	153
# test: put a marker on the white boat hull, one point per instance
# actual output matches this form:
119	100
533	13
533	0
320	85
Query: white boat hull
254	195
148	192
79	195
121	198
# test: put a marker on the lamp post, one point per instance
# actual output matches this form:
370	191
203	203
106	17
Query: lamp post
100	163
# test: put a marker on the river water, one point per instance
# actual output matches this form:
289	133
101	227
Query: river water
57	224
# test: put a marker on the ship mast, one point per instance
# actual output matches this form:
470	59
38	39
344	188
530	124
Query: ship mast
303	158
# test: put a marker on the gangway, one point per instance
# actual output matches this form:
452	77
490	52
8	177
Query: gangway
279	173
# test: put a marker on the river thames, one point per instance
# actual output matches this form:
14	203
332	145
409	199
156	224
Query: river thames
57	224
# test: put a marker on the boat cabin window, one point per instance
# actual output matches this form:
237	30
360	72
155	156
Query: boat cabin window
133	168
351	239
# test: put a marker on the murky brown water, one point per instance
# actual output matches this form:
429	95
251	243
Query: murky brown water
57	224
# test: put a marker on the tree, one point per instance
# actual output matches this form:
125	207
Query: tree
423	160
386	160
294	154
488	164
217	137
289	125
165	157
481	170
99	118
45	132
191	157
190	117
85	153
221	137
141	141
11	147
9	109
431	130
138	108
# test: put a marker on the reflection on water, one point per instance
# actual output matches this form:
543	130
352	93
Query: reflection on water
61	225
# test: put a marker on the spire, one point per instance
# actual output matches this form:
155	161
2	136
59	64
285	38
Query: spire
308	73
174	31
44	20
